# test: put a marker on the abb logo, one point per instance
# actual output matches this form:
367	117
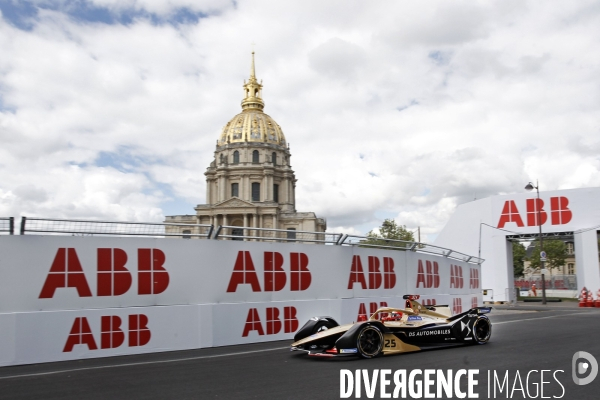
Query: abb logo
362	310
428	277
473	302
275	276
456	276
456	305
111	334
559	212
376	276
113	278
473	278
428	302
273	321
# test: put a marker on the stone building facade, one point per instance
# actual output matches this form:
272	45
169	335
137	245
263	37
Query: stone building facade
250	182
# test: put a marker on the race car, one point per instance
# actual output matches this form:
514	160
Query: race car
394	330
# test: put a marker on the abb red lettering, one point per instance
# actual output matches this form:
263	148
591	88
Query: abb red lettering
291	322
274	274
113	278
80	334
139	334
429	302
473	278
374	273
389	276
253	323
243	273
65	272
356	273
456	277
362	310
376	276
111	335
152	277
559	211
273	321
535	211
457	305
430	277
510	213
536	215
362	313
300	274
473	302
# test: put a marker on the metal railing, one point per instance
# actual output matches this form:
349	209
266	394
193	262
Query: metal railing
278	235
7	225
222	232
113	228
403	245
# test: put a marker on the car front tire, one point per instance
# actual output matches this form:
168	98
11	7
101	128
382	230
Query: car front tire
369	341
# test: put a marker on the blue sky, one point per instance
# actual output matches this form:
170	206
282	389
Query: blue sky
111	109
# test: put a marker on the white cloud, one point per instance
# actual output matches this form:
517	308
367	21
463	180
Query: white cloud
390	107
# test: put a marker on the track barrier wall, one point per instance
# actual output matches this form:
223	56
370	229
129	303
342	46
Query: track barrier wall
64	298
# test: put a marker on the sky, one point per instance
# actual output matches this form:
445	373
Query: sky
110	109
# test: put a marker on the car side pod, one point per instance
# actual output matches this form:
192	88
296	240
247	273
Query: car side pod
315	325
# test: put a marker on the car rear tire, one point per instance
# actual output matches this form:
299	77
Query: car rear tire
369	341
482	330
322	326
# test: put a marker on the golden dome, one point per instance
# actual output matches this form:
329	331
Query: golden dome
252	124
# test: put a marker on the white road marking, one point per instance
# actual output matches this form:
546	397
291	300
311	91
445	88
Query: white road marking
140	363
533	319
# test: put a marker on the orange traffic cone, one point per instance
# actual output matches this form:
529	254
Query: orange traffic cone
590	299
598	299
583	297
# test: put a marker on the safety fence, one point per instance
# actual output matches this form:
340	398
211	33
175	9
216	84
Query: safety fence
557	281
225	232
7	225
113	228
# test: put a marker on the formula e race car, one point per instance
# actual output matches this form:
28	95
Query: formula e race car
394	330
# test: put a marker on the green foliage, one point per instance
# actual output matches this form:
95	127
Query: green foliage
389	230
518	258
556	253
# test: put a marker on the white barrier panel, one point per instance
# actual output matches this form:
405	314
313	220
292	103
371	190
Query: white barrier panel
60	273
77	334
104	296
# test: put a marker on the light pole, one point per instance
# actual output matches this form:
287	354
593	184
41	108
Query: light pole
530	187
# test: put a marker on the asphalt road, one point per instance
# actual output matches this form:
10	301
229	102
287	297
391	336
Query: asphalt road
522	341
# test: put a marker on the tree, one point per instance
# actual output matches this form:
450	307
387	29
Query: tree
556	253
518	258
389	230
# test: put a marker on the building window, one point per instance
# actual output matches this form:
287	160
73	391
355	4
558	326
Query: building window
274	158
291	233
276	193
255	191
187	234
236	157
570	249
571	268
235	190
255	157
237	232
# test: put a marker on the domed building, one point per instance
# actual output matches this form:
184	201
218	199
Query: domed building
250	182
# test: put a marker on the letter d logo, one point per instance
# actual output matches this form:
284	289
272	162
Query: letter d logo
583	367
